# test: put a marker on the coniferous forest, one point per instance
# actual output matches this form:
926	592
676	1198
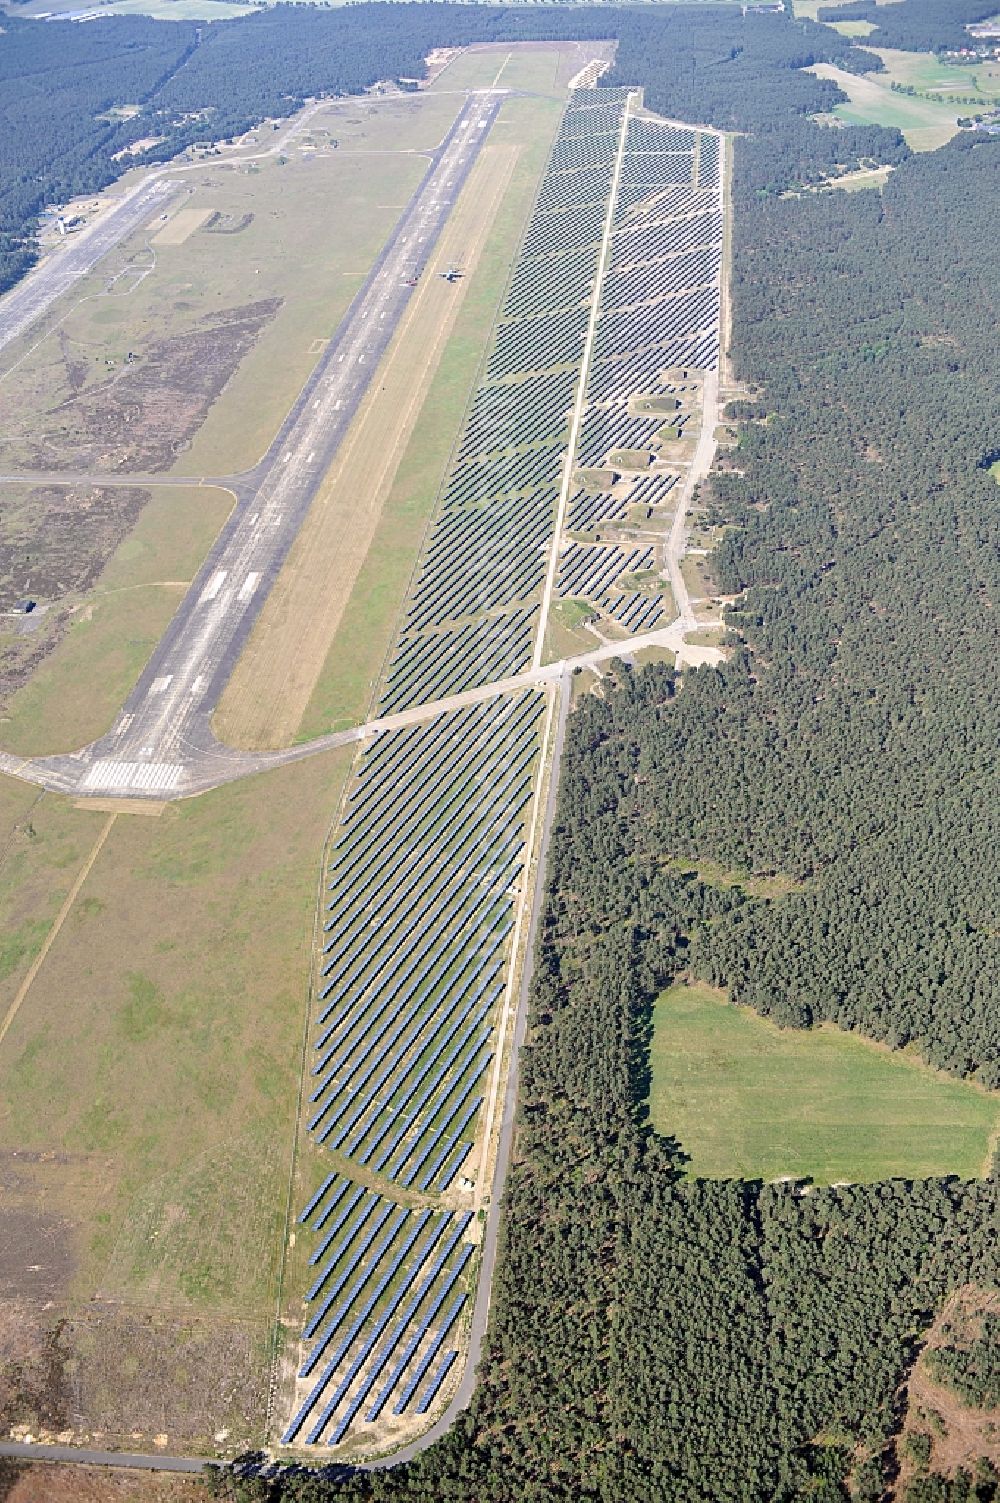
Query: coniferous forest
655	1336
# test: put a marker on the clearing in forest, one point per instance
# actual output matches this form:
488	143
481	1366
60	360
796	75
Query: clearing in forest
925	123
749	1099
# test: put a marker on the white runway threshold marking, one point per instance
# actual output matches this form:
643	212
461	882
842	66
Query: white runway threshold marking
214	585
108	776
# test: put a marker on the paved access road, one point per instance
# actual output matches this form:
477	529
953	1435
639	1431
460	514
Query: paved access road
163	732
78	254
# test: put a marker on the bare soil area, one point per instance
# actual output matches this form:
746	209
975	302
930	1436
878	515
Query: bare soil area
147	413
21	1482
959	1433
54	542
130	1378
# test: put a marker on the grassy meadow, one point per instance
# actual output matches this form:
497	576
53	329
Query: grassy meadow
925	123
187	957
749	1099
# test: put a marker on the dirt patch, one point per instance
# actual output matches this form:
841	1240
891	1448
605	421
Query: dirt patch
131	1379
937	1423
54	542
34	1381
227	224
36	1255
148	412
45	1483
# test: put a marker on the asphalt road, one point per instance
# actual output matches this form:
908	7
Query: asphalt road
163	734
78	254
133	1461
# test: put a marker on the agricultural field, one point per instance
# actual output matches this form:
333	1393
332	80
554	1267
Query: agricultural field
930	75
746	1098
412	993
925	123
157	1177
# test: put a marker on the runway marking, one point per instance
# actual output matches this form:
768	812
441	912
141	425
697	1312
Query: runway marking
213	587
108	775
159	684
250	583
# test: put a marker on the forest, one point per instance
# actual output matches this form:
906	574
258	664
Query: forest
205	83
917	25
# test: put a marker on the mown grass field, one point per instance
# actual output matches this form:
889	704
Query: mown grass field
746	1098
74	695
149	1076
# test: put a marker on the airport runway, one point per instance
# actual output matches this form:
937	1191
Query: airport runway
78	254
162	743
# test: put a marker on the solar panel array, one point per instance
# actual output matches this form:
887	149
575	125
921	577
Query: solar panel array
424	874
659	311
471	617
389	1290
660	302
429	853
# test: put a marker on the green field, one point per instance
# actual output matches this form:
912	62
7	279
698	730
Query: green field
852	28
930	75
925	123
149	1076
746	1098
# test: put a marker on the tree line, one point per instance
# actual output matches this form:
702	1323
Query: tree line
183	83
